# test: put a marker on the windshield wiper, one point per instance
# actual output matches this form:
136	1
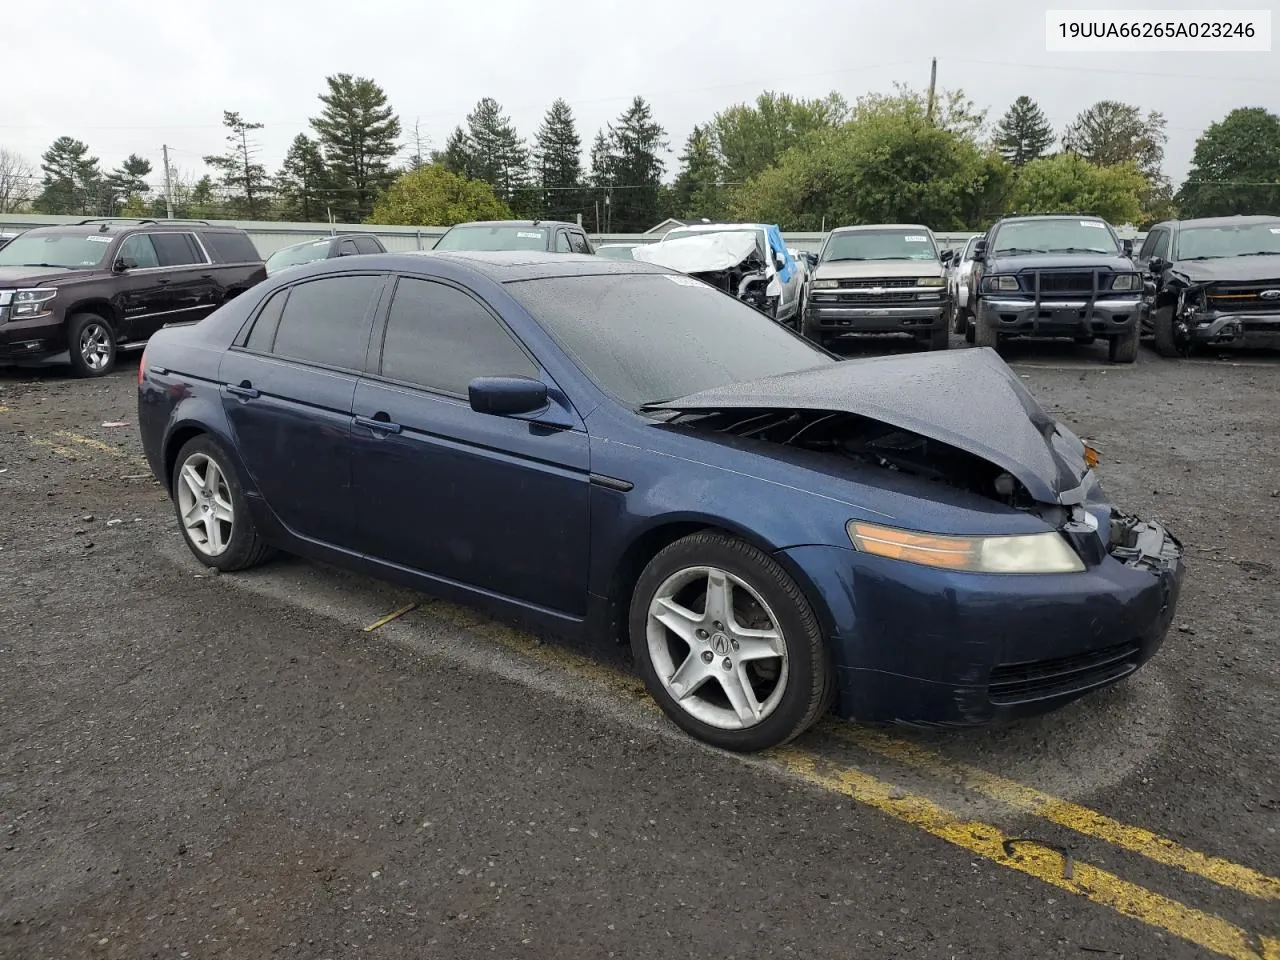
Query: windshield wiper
834	259
653	404
1078	250
58	265
1260	253
1205	257
1017	250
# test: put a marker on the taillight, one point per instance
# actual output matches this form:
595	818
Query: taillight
142	364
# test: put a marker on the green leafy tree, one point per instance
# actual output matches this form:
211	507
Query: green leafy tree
1236	167
699	190
358	132
889	164
627	171
1068	183
1111	132
557	160
243	177
433	196
953	111
301	182
1023	133
751	137
72	179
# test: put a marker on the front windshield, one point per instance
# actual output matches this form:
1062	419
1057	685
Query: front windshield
644	337
1242	240
879	245
615	253
73	251
1054	236
296	256
497	237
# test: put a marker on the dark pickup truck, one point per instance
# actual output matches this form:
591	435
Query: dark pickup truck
92	288
1056	276
1214	281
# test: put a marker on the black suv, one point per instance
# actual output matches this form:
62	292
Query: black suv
1056	276
552	236
1216	281
94	287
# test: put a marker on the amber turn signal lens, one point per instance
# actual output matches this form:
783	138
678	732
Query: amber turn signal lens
1046	552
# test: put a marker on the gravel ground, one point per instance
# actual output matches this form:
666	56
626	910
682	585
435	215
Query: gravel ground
201	766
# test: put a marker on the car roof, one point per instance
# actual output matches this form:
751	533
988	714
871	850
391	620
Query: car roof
720	226
1222	221
516	223
501	266
1052	216
883	226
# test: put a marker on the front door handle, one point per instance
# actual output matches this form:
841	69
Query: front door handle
379	423
243	389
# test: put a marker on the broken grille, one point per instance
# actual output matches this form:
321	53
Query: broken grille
1259	297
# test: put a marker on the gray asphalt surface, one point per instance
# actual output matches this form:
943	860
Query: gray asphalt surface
201	766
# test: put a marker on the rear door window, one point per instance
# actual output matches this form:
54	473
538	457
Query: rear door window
176	249
347	248
230	246
368	245
327	321
440	338
579	243
562	242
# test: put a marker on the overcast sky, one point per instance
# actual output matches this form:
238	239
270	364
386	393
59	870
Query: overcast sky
128	75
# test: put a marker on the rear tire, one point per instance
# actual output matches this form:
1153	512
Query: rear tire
985	334
1124	349
938	339
1162	329
91	345
733	690
212	510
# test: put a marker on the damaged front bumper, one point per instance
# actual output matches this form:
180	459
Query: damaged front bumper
1113	316
1201	326
916	645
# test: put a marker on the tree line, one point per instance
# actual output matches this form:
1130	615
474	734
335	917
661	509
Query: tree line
806	164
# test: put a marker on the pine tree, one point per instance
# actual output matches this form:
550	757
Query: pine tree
557	155
359	134
1024	132
626	166
456	155
126	184
244	178
300	184
697	191
71	178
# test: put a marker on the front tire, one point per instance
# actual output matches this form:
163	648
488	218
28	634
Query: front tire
985	334
728	645
212	512
938	339
91	345
1124	349
1165	336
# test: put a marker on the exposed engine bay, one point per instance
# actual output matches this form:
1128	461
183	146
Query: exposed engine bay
870	442
734	262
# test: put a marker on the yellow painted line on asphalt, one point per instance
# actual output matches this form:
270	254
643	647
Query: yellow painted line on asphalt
56	448
393	615
983	839
1081	819
3	408
1099	886
89	442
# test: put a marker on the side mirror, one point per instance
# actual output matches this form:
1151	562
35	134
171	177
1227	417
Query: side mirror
1148	288
506	396
1158	265
1127	247
948	256
980	251
124	263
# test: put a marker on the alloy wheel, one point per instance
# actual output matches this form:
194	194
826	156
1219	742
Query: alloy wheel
95	346
716	647
204	503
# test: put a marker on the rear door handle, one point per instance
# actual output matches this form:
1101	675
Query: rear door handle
244	389
378	424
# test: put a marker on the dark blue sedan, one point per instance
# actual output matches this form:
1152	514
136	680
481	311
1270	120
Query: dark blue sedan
614	451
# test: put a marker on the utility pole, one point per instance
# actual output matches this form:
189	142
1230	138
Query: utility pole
168	184
933	85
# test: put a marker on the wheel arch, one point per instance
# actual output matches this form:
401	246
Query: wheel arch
100	306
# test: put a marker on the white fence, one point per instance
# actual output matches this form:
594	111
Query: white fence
269	236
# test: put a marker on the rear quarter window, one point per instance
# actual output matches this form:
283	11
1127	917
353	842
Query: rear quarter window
230	246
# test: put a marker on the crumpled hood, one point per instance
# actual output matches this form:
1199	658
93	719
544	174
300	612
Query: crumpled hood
700	253
1230	269
870	269
969	399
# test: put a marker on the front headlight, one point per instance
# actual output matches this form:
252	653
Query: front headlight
1126	281
930	282
28	304
1006	282
824	284
1023	553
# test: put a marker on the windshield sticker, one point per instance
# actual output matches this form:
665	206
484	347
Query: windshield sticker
915	238
1275	229
527	235
685	281
99	239
1093	223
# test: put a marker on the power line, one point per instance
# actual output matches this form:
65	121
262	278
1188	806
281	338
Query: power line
1126	73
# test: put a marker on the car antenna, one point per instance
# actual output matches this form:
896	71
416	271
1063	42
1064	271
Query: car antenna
103	228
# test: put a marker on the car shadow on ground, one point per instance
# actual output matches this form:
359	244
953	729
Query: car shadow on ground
55	371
